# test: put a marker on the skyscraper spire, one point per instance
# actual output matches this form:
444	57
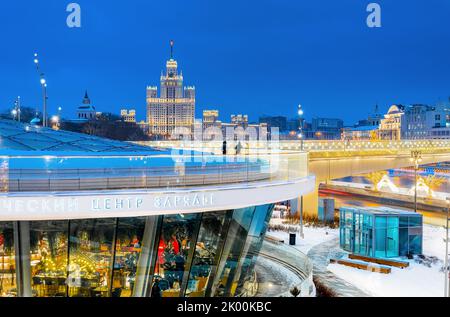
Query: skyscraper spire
171	48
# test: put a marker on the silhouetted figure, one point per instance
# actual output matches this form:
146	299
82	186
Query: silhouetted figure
224	148
238	148
156	290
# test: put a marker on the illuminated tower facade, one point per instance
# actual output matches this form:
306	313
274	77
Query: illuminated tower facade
175	106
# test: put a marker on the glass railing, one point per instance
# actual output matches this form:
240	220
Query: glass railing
77	173
314	145
294	260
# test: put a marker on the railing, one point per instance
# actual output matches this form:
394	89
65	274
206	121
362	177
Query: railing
78	173
251	147
294	260
370	146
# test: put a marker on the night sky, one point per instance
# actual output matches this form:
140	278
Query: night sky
254	57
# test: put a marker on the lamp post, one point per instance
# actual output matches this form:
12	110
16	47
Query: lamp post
16	111
300	126
446	268
416	157
301	137
44	90
14	114
55	122
18	107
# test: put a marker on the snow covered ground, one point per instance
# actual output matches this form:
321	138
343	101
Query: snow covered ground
416	280
313	235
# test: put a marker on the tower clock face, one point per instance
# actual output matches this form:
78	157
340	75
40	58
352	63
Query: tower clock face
170	75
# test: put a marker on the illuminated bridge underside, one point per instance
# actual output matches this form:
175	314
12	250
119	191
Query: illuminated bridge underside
331	168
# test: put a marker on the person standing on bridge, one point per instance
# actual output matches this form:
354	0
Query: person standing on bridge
224	147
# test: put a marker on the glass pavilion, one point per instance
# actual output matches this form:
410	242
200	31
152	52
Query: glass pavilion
380	232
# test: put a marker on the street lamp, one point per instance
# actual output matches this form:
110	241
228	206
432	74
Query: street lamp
446	268
300	126
16	111
416	157
18	108
301	137
44	90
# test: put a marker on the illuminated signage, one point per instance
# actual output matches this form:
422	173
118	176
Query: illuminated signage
135	204
182	201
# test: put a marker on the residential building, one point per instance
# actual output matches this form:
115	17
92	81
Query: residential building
175	106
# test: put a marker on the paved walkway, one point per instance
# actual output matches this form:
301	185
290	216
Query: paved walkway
320	256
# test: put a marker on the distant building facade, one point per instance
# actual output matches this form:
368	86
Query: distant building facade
210	119
418	120
239	120
421	121
293	125
128	115
325	129
175	106
240	129
366	129
86	111
391	124
279	122
360	133
440	119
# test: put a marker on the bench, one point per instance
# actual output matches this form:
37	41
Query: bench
274	239
394	263
363	266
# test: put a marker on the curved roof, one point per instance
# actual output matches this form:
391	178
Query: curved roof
18	137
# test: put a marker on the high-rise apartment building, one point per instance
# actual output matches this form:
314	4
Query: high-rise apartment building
175	106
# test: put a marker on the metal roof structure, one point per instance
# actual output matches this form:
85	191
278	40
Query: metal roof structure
21	137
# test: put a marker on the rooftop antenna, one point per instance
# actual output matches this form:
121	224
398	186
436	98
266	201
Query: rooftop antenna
171	48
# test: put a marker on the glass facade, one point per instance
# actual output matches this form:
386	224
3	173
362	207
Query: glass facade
382	233
193	255
8	287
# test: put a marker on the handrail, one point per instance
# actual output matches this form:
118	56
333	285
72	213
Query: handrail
294	260
69	176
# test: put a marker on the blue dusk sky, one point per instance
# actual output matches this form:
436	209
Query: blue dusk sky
255	57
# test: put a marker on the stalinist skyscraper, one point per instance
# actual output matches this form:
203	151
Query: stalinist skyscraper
175	107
